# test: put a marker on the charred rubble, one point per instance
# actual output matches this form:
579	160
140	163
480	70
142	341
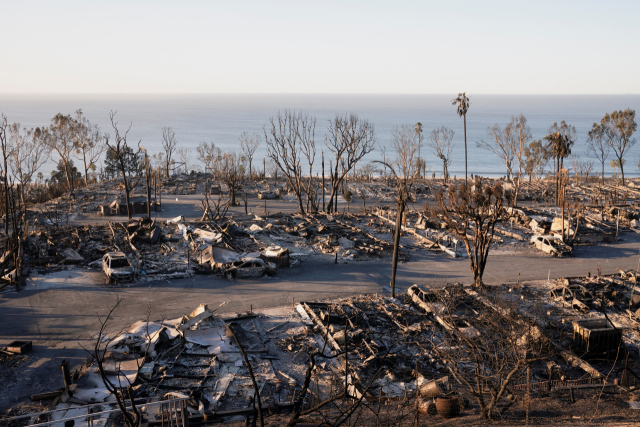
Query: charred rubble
178	248
368	351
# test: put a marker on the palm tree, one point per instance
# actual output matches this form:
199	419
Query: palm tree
560	140
419	136
463	106
559	145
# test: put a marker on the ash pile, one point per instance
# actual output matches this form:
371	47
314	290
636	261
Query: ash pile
241	246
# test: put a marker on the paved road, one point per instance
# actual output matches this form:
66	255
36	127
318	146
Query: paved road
190	206
59	315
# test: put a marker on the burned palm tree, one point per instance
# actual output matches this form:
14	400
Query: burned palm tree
463	106
559	143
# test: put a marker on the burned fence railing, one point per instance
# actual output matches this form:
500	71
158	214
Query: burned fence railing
560	384
172	413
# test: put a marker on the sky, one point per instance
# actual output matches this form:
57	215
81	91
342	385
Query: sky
399	47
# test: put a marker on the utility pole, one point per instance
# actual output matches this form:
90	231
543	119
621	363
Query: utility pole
155	189
419	137
323	205
148	177
331	194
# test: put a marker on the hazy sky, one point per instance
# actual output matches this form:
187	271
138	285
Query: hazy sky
232	46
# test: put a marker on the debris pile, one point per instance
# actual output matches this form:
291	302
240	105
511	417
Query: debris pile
379	349
240	246
198	356
618	294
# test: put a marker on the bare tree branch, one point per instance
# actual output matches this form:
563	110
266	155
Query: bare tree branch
350	139
89	143
441	142
169	143
289	139
249	144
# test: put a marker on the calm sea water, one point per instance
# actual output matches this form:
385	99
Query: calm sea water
222	118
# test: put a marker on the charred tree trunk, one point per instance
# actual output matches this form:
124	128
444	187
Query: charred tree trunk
66	172
86	171
396	246
232	196
126	184
332	207
336	183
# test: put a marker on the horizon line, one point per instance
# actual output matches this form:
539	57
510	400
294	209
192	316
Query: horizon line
303	93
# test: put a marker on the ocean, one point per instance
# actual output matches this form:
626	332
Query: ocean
221	118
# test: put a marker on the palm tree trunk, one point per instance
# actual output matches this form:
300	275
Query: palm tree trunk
557	166
465	147
563	217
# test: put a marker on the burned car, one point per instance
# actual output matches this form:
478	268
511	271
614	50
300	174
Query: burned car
250	267
268	195
551	245
117	267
